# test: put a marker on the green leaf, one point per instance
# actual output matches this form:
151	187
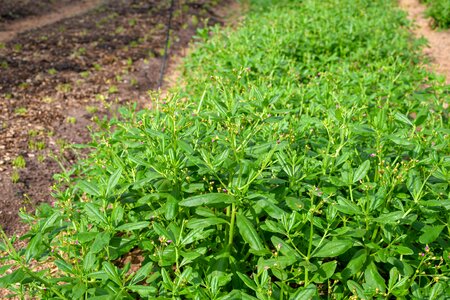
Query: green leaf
277	262
117	215
356	289
142	273
333	248
373	278
112	273
33	248
361	172
171	208
284	247
271	209
437	290
248	233
305	293
347	207
4	268
133	226
202	223
402	118
325	271
207	199
113	180
101	241
355	264
50	221
248	282
430	234
89	261
403	250
89	188
391	217
64	266
143	290
94	213
414	184
393	277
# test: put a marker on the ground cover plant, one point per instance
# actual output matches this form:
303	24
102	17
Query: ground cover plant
439	10
306	157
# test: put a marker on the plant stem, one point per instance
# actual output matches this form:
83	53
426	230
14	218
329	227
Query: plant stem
232	222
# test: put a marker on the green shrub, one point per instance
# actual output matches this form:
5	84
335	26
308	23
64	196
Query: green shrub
439	10
307	157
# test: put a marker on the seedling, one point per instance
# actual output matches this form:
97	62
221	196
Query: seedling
91	109
85	74
20	111
71	120
64	87
47	99
19	162
15	176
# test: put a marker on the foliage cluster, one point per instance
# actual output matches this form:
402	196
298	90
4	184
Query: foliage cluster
306	157
439	10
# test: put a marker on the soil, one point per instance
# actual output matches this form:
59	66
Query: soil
438	49
57	78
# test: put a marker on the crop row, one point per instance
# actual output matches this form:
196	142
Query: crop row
306	155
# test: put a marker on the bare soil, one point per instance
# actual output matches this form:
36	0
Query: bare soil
438	49
57	79
40	14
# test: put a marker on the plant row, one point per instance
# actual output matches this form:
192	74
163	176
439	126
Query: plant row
306	156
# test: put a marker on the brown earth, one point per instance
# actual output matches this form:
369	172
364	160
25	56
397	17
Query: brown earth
438	49
40	14
57	79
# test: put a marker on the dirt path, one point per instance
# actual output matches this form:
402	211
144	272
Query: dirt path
438	41
9	31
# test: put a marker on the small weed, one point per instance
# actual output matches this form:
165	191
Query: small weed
85	74
113	89
91	109
19	162
64	87
41	158
71	120
17	47
15	176
24	85
48	99
79	52
97	67
52	71
134	82
20	111
132	22
120	30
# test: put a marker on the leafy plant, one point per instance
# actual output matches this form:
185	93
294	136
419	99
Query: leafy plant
307	157
439	10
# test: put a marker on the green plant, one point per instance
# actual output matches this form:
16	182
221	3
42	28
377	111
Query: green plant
71	120
305	159
85	74
20	111
91	109
19	162
439	10
15	176
64	88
